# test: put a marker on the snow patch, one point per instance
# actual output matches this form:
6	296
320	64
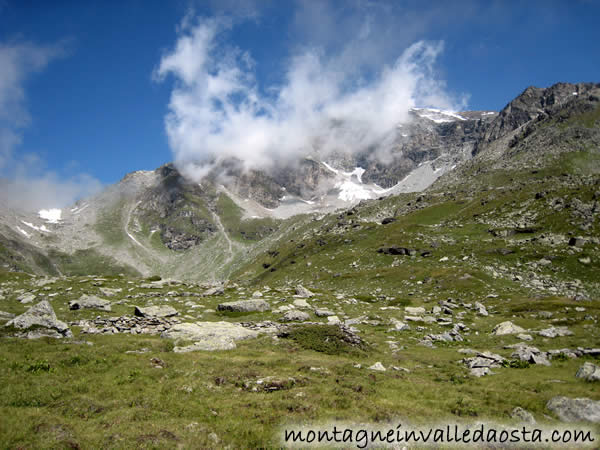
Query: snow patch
27	235
50	215
32	226
330	168
438	115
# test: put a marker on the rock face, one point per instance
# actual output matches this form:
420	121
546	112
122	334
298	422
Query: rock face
507	328
208	336
39	321
255	305
575	409
589	372
90	302
155	311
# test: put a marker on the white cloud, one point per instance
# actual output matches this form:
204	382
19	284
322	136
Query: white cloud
218	110
25	183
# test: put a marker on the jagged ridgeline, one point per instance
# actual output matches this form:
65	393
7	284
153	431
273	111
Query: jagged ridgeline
472	182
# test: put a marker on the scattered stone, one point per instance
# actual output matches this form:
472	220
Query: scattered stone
414	311
323	313
90	302
523	416
589	372
6	315
257	294
575	409
480	371
507	327
42	318
525	337
553	332
377	366
155	311
585	260
110	292
398	325
480	309
301	291
295	316
245	306
209	336
333	320
26	298
481	364
269	384
301	304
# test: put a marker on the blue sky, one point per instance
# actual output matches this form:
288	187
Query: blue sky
99	89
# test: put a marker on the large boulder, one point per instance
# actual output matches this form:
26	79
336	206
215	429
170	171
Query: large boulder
255	305
155	311
208	336
90	302
507	328
575	409
39	321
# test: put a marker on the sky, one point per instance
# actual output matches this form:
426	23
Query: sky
90	91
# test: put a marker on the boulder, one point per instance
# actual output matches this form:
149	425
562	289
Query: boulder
480	309
575	409
589	372
301	303
90	302
295	316
414	310
507	328
208	336
378	366
26	298
155	311
323	313
110	292
255	305
301	291
40	320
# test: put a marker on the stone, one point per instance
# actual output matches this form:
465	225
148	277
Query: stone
480	371
295	316
553	332
323	313
589	372
525	337
26	298
256	305
532	355
208	336
90	302
333	320
522	416
585	260
414	311
257	294
575	409
301	291
377	366
42	318
110	292
155	311
507	327
6	315
398	325
301	303
480	309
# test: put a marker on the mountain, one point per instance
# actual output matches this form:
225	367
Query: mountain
160	222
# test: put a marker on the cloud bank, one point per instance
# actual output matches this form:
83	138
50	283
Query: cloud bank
25	183
331	98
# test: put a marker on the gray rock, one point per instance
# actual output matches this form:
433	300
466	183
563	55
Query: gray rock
245	306
525	337
110	292
553	332
90	302
378	367
295	316
589	372
575	409
480	309
155	311
208	336
323	313
532	355
399	325
42	319
301	304
507	328
6	315
480	371
523	415
301	291
26	298
414	310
